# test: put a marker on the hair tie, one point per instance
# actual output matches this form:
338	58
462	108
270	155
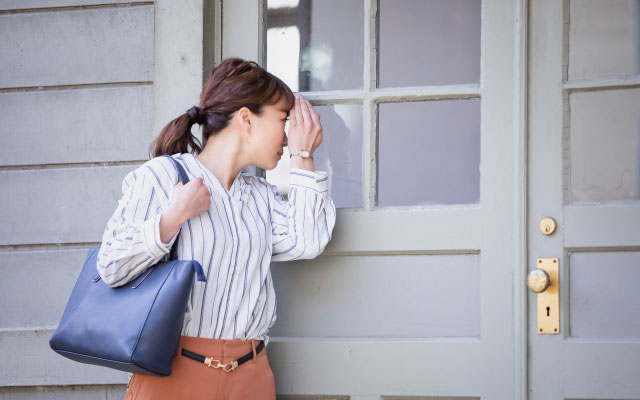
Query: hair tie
196	115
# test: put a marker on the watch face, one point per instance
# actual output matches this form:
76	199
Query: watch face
304	153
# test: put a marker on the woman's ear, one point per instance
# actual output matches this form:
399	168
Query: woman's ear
244	118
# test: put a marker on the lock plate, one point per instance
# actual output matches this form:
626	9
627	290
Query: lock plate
548	301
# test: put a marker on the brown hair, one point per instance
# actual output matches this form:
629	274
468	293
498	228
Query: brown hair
233	84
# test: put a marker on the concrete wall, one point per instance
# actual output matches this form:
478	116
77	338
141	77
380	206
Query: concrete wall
85	86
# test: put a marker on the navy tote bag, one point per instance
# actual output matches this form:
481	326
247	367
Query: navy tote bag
135	327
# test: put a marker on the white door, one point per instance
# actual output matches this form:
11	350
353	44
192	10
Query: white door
414	296
584	172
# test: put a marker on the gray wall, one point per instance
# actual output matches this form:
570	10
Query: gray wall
76	114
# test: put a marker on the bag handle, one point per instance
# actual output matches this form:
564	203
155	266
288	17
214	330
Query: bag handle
184	178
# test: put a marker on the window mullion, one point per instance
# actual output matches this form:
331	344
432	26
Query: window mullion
369	105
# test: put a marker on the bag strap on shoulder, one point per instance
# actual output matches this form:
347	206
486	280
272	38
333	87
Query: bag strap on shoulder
182	175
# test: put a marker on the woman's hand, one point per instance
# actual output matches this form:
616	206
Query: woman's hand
305	130
189	200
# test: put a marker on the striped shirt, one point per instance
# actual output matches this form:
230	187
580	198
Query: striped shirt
245	229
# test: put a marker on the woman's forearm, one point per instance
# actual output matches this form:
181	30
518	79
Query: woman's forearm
170	222
304	163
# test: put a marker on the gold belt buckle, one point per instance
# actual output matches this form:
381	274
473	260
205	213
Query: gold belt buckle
231	365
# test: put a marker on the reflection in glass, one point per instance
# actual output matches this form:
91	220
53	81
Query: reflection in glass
315	45
605	145
282	58
429	153
340	154
429	42
604	38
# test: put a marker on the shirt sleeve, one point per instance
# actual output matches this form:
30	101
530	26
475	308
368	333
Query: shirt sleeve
131	240
302	226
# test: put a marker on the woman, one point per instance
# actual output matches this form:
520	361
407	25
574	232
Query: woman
233	223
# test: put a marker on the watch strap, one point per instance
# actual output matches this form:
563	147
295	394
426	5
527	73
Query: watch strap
301	154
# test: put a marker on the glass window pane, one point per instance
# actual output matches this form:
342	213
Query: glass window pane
429	153
605	145
316	45
604	38
429	42
340	154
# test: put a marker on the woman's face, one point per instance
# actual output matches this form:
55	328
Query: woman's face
269	138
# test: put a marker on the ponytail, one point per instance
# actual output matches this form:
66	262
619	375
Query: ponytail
176	136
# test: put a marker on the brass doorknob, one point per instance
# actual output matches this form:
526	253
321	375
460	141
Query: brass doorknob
538	280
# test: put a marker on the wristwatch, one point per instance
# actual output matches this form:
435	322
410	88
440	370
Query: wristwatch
301	153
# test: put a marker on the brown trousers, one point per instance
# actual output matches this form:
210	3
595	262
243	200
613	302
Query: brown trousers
193	380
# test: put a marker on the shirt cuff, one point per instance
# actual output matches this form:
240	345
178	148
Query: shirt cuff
315	180
151	235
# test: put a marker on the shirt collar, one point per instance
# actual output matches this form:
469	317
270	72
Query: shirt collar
239	188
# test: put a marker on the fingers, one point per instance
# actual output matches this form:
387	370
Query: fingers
303	112
298	111
315	117
306	116
292	113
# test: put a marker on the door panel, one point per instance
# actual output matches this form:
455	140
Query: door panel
604	141
599	306
603	38
584	121
368	292
442	45
441	139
